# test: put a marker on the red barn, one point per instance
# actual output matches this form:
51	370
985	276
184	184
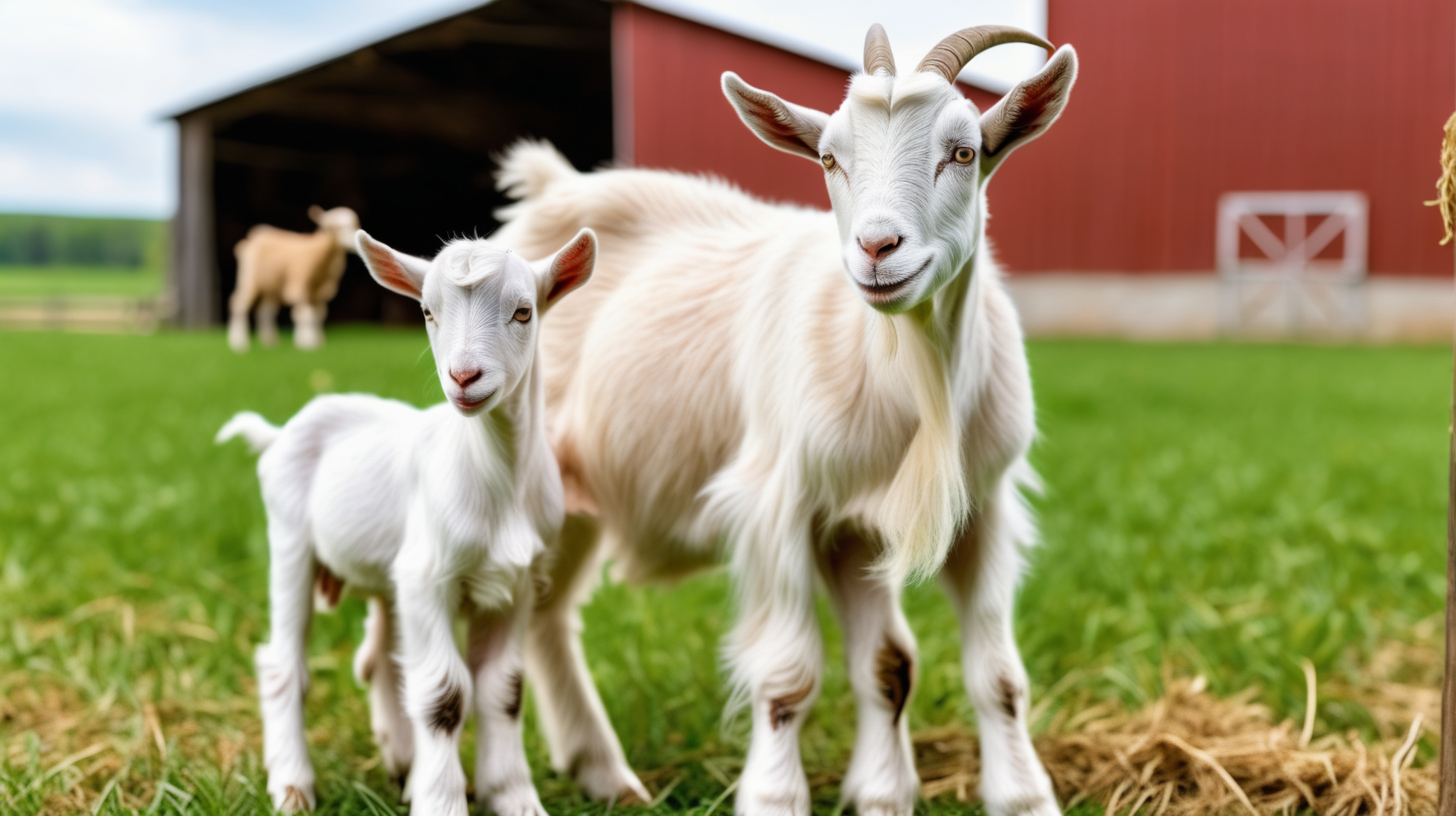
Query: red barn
1107	224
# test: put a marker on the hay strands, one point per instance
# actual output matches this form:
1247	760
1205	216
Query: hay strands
1192	754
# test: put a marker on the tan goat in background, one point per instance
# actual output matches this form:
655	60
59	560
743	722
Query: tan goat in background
301	270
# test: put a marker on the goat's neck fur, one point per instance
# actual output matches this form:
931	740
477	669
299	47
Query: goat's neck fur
512	434
939	341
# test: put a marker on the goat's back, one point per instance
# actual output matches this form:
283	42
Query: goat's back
293	267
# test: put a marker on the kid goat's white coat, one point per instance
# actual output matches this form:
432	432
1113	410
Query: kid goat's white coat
813	397
430	512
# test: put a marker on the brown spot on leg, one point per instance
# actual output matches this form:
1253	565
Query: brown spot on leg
330	588
894	673
514	692
781	709
1009	694
449	709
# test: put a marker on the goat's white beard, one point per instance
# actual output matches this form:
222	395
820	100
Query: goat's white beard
927	501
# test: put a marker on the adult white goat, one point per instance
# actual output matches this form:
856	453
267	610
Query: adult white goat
430	512
301	270
724	390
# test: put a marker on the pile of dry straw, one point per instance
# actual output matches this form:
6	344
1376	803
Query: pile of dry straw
1189	753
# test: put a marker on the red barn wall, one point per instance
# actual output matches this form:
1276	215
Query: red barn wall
672	112
1179	102
1176	103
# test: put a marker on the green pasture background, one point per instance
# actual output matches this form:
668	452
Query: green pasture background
53	255
1221	509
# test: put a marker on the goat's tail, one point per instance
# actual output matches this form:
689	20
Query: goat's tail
257	431
529	167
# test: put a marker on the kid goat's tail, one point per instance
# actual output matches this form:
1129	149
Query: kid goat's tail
258	432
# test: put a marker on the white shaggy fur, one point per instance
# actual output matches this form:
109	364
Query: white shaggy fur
277	268
430	512
811	397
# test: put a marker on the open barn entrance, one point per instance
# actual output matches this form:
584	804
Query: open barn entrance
403	131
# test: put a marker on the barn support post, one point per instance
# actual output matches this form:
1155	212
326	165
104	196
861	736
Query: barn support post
193	266
1446	804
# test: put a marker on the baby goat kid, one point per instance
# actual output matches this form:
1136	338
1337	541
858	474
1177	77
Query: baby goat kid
430	512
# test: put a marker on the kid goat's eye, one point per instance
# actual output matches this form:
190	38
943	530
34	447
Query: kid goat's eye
523	314
426	311
828	160
963	155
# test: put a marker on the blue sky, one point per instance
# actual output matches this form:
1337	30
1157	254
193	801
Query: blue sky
84	84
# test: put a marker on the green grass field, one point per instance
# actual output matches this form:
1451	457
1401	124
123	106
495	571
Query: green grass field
1226	510
51	281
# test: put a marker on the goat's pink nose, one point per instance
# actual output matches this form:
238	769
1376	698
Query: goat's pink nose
465	377
878	246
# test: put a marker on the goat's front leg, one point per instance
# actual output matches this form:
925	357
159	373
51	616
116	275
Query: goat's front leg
308	325
283	667
980	577
777	657
879	652
437	691
502	775
239	306
567	704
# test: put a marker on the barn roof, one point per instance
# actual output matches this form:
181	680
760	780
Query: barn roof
525	34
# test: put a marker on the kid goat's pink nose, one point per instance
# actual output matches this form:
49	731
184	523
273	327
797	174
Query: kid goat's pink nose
879	245
464	377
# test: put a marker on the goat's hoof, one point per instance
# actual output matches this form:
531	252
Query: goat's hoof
608	781
881	808
517	803
293	799
786	804
1024	806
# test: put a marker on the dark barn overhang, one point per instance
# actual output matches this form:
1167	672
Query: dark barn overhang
404	131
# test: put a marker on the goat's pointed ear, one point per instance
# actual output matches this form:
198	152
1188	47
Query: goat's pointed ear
1027	110
569	268
789	127
316	213
395	271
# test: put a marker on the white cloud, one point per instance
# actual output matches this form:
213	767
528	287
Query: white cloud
83	83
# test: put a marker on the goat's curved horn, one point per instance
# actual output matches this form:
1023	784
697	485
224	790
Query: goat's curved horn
953	52
877	51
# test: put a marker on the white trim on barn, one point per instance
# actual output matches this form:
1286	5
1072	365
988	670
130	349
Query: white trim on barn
1185	306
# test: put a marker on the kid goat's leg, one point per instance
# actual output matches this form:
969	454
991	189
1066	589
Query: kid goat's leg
437	691
777	657
980	576
283	668
375	665
879	651
571	712
502	775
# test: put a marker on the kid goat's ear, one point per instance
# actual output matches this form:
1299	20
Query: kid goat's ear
395	271
569	268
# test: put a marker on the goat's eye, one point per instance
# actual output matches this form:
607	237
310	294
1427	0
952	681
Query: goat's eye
828	160
963	155
427	313
523	314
